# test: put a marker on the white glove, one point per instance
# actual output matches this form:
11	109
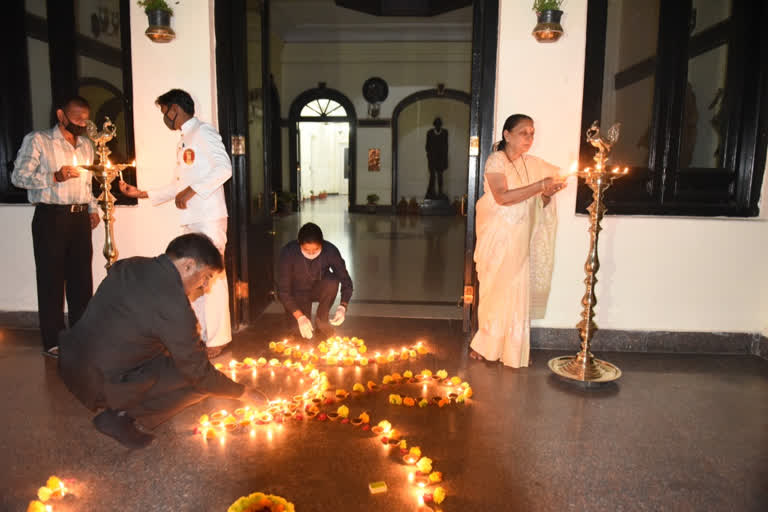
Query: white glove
305	326
338	318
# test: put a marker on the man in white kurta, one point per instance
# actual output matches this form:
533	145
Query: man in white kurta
202	168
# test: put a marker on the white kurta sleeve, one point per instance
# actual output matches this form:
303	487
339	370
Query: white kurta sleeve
220	166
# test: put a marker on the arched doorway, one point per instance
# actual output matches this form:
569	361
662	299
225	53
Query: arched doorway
322	112
427	94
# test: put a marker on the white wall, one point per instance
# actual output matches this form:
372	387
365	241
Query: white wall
188	63
656	273
407	68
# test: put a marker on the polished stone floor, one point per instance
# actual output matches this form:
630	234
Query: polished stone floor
416	261
677	432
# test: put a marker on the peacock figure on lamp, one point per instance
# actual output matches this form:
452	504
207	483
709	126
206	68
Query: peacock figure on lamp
584	366
105	173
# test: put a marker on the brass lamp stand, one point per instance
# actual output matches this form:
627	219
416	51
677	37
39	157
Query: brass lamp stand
105	173
584	367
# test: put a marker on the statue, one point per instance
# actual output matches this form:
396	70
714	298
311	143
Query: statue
437	158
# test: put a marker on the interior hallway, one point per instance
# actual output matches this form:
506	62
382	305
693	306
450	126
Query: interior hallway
401	265
677	432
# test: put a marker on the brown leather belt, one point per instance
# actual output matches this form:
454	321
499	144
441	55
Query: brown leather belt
71	208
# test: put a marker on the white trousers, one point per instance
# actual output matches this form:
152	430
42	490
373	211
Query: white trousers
212	308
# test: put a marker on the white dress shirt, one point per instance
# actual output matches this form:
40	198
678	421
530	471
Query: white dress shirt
41	155
203	164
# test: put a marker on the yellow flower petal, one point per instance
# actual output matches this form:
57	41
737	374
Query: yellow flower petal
44	494
35	506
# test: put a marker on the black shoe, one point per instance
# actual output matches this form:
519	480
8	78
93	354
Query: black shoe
122	429
52	352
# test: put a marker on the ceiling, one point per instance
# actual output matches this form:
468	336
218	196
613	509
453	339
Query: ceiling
323	21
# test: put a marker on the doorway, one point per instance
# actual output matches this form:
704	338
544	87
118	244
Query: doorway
243	32
415	115
322	141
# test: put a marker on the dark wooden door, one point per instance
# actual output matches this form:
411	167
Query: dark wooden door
484	34
245	123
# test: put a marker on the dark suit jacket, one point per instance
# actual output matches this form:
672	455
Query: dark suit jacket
138	316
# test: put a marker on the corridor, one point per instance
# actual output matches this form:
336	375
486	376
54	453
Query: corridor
401	265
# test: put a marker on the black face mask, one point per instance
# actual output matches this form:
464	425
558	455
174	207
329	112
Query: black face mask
74	129
170	123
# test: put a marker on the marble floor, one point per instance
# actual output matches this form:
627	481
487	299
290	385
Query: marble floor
676	432
401	265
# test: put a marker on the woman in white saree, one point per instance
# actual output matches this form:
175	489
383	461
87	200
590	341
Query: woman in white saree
516	223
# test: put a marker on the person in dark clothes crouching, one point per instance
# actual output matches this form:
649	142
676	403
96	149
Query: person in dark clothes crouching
311	270
136	351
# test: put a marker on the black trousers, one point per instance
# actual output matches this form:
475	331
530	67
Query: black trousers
63	254
168	394
324	293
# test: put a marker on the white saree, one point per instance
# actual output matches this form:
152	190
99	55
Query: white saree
514	257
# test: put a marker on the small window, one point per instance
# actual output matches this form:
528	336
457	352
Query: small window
323	107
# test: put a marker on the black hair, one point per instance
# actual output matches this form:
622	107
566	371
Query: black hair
310	233
509	125
74	101
177	97
198	247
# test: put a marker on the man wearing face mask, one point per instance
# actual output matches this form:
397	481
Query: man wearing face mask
202	168
65	214
311	270
153	364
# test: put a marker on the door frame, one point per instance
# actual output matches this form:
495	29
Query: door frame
294	118
485	28
448	94
230	22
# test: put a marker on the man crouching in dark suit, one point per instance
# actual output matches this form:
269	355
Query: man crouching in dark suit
136	351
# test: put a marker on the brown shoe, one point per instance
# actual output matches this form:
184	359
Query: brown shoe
214	352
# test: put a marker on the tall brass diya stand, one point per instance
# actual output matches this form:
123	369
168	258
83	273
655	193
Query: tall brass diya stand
105	172
585	367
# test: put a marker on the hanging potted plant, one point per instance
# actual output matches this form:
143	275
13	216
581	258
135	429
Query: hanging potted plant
372	201
548	28
159	15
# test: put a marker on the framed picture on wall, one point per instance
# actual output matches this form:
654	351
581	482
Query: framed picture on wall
374	160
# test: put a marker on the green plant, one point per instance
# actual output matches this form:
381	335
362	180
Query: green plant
372	198
547	5
156	5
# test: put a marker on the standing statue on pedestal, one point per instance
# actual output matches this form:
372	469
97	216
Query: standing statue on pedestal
437	158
